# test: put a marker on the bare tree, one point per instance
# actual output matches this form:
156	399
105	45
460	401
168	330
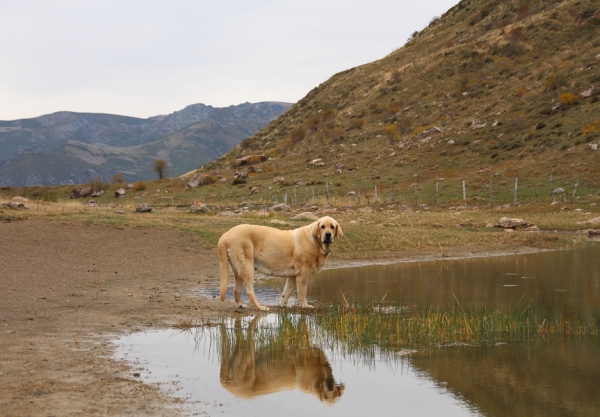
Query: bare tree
161	167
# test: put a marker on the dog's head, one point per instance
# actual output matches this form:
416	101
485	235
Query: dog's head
326	229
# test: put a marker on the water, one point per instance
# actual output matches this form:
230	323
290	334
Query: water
233	369
566	281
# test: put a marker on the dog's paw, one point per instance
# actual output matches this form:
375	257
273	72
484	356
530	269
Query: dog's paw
263	308
307	306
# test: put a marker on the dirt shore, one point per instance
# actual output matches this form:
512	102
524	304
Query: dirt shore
67	290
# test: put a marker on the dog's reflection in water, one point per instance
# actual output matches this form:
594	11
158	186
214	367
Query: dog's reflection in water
248	371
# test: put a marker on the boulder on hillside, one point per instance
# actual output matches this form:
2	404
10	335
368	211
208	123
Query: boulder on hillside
307	215
508	223
19	199
81	192
143	208
120	193
280	207
227	213
198	207
250	160
592	91
14	205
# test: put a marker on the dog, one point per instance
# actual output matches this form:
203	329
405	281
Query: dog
248	371
293	254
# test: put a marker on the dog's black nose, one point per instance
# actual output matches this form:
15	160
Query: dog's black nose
328	237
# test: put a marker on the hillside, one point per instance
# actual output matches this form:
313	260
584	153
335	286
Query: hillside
71	148
491	90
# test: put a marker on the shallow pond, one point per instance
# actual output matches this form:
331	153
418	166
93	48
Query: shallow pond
253	366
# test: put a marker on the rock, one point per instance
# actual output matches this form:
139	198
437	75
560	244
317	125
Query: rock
198	207
314	161
403	208
595	221
120	193
19	199
143	208
200	179
14	205
508	223
278	179
578	210
307	215
509	230
592	91
299	182
351	193
451	142
129	186
532	228
314	208
244	173
593	232
365	209
227	213
488	225
97	193
431	131
281	207
558	191
250	160
593	146
81	192
280	222
329	211
254	190
223	180
119	212
262	213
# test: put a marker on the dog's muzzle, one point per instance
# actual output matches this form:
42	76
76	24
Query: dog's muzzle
328	238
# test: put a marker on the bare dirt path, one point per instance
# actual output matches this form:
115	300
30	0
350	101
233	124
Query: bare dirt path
66	290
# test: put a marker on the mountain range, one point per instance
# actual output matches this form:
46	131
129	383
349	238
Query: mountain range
72	148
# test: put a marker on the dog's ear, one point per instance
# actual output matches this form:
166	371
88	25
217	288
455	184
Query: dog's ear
315	229
338	230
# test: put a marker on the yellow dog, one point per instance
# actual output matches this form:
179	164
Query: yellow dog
293	254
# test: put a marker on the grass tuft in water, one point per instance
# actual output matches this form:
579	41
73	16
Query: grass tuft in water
429	326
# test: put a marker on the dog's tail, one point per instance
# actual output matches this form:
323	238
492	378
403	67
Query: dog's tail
224	266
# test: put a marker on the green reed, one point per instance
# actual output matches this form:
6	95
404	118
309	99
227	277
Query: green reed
428	326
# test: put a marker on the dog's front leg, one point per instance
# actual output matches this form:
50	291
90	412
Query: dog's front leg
301	286
290	284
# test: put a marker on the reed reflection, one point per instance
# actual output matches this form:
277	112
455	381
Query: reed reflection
260	359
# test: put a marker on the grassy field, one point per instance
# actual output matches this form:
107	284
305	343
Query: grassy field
376	234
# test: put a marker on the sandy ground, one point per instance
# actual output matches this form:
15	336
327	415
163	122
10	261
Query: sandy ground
67	290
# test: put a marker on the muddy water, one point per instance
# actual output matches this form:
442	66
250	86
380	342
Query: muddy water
567	281
234	369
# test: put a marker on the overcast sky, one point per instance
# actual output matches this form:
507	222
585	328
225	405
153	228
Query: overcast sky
149	57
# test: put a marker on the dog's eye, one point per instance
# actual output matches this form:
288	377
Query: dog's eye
322	227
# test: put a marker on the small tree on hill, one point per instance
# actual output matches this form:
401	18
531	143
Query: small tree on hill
161	167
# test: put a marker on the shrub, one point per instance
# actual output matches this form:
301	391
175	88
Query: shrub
593	127
298	135
97	184
246	143
555	81
520	91
238	181
117	179
139	186
357	124
568	98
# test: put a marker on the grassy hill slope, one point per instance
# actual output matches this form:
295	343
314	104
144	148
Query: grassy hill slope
489	91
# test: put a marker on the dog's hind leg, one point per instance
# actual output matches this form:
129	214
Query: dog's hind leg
290	285
247	277
237	290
